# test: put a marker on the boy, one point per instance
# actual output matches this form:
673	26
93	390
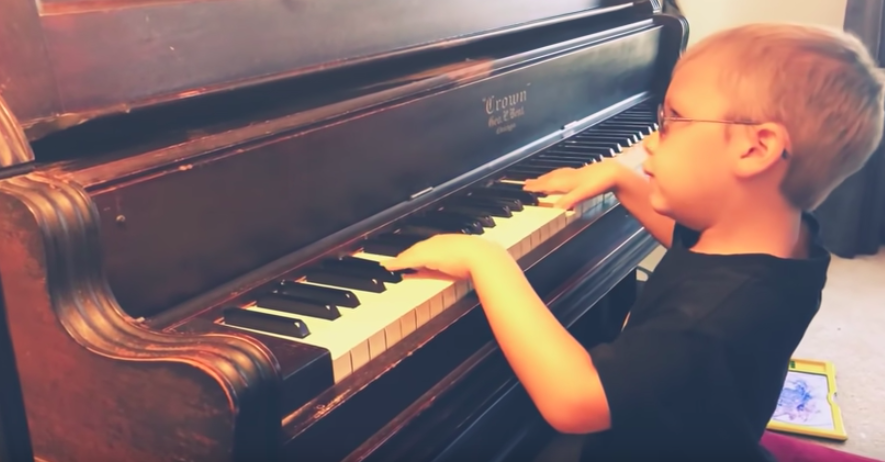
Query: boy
759	124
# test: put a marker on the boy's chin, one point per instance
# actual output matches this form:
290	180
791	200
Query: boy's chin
659	204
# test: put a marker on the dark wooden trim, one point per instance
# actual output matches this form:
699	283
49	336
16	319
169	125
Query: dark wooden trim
76	60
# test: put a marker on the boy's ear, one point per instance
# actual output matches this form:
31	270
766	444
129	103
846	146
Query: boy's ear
768	144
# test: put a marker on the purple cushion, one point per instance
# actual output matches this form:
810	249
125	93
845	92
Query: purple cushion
789	449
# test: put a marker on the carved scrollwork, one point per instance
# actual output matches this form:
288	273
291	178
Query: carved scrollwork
84	304
14	146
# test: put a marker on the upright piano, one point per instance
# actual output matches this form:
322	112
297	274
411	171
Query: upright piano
195	197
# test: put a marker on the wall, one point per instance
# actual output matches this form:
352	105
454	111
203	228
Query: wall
707	16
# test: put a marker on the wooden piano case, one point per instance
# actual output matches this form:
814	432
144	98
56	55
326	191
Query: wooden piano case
163	160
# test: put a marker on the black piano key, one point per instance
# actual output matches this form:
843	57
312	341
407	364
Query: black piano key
265	322
483	218
597	137
635	117
510	204
618	123
583	153
626	125
594	154
528	169
373	264
318	294
493	209
583	145
427	231
642	131
524	197
619	126
330	278
448	223
589	141
519	176
596	146
588	157
280	302
390	244
558	163
630	135
388	249
361	267
519	187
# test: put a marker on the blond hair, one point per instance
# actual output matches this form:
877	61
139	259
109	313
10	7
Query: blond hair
822	85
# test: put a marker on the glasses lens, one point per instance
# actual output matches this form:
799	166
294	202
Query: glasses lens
661	118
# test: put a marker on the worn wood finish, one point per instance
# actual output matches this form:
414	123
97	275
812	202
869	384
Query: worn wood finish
96	385
27	78
79	59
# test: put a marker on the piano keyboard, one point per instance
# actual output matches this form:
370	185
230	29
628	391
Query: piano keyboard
356	309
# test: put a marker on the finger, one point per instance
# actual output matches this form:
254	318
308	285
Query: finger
569	199
429	274
400	262
411	258
533	184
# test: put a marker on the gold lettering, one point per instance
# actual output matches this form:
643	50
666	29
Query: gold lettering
502	111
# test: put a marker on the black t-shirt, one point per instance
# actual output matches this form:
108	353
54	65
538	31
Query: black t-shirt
697	371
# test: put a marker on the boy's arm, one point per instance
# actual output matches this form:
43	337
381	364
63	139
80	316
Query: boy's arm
634	192
657	375
618	175
553	366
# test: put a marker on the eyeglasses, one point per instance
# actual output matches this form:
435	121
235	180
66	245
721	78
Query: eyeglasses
663	119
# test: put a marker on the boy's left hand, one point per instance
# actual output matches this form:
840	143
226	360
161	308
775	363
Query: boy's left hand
455	255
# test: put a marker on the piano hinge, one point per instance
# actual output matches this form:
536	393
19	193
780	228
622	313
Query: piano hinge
569	129
421	193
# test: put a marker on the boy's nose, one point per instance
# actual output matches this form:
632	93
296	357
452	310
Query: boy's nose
650	142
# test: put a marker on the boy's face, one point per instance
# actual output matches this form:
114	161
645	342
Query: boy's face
691	164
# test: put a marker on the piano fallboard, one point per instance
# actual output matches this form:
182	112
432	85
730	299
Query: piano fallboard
389	154
81	59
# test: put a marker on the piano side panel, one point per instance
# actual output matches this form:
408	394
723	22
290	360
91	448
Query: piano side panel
172	243
110	54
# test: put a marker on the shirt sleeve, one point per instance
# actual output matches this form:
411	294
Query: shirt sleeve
666	377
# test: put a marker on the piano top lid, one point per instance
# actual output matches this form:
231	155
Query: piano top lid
64	62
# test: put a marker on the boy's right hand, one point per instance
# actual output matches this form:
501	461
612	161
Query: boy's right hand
577	184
